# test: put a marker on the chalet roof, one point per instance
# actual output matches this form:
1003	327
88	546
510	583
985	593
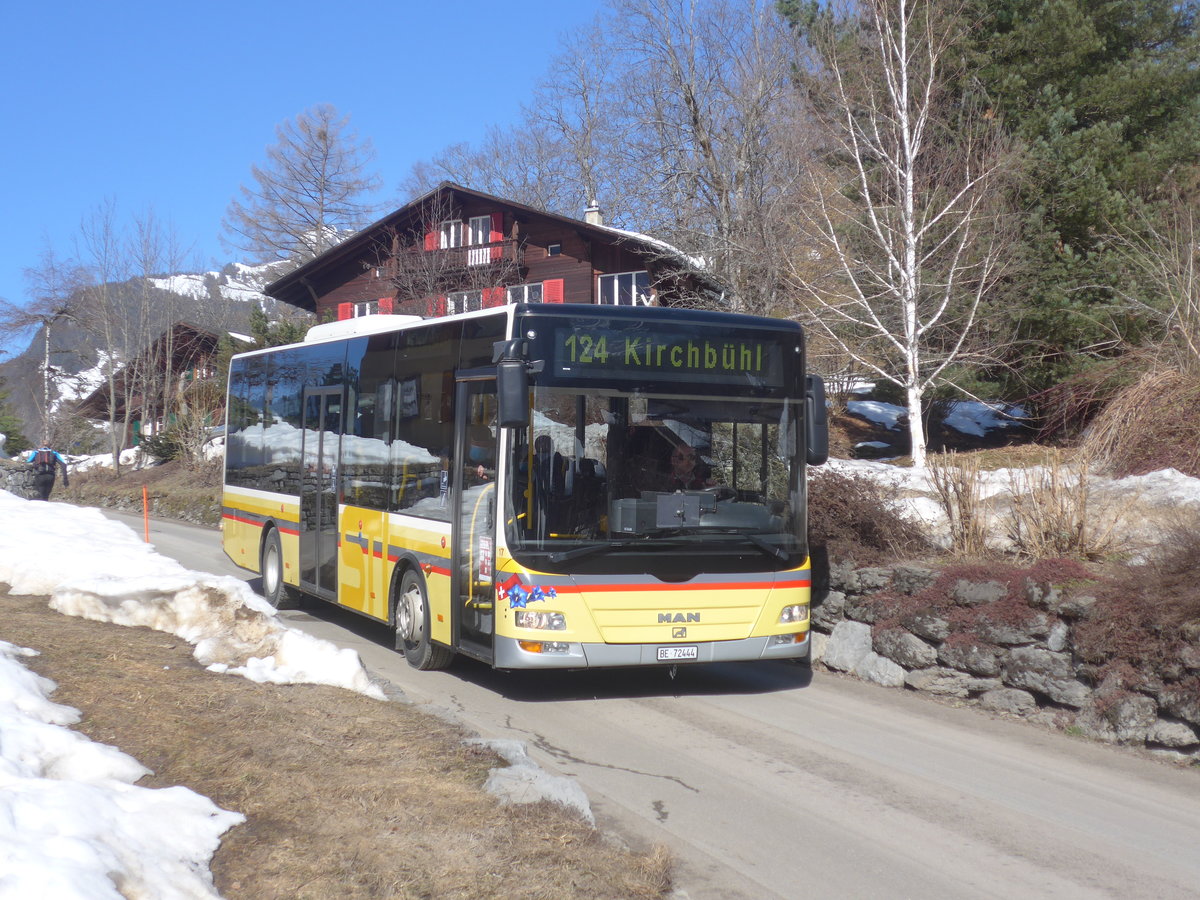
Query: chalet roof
189	341
290	288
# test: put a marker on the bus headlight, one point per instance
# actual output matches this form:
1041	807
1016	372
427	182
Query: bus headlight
543	621
544	646
790	614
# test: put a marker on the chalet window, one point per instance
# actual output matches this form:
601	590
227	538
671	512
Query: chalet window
365	308
450	235
464	301
524	293
625	289
554	250
479	234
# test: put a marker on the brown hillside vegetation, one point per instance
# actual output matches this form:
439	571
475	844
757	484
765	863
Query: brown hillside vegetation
344	796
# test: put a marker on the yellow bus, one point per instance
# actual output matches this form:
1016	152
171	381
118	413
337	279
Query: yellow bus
535	486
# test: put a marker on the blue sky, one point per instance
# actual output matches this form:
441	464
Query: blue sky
166	106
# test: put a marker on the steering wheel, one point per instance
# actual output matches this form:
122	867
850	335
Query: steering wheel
721	492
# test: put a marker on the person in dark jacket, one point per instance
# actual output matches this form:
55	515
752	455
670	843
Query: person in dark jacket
45	462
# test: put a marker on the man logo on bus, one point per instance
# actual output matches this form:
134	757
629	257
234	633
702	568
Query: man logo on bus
678	632
671	618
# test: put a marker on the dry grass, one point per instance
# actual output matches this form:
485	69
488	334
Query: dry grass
955	477
1152	424
344	796
1053	515
176	491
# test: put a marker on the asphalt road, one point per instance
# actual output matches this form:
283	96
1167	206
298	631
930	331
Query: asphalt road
769	781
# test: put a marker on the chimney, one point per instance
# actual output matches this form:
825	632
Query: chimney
592	214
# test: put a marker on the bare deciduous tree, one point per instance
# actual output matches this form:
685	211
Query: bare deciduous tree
1163	260
309	192
910	241
416	270
104	311
53	286
714	137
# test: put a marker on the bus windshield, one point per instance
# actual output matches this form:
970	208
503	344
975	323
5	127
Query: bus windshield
603	478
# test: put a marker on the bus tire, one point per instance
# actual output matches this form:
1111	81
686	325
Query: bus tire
274	591
412	626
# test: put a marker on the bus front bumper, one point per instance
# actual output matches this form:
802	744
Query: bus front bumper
511	653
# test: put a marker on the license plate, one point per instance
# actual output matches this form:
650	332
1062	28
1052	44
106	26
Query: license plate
666	654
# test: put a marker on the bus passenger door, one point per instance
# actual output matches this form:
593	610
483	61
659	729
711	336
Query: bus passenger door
318	490
474	523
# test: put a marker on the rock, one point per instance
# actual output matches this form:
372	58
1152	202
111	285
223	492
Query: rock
880	670
948	682
873	579
928	625
848	644
1182	700
1071	607
910	580
1046	673
974	593
1190	657
906	649
843	577
1041	595
1009	700
826	614
1123	719
1013	634
819	643
1056	640
1172	734
976	658
863	609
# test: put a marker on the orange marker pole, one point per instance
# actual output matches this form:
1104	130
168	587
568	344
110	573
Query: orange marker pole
146	512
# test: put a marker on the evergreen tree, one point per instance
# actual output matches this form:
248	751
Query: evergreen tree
1104	100
10	426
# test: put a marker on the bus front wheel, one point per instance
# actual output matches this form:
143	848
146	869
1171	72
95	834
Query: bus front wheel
412	626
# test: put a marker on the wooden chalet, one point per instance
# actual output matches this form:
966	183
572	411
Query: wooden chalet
180	357
456	249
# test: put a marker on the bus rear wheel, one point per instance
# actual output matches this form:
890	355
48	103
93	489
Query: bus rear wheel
412	626
274	590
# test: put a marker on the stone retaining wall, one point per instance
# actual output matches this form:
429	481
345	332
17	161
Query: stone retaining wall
17	478
1006	644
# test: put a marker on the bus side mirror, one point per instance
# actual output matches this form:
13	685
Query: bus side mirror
512	393
816	422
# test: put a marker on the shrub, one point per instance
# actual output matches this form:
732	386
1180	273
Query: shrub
1149	613
855	517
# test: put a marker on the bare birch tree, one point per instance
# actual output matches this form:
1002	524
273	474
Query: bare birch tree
311	190
910	240
106	313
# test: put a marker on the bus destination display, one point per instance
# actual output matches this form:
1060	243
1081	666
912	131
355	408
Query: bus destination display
637	353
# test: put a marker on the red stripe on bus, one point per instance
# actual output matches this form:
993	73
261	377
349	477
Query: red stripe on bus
710	586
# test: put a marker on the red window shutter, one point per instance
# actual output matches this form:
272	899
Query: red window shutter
552	290
385	306
439	305
345	311
497	235
431	240
493	296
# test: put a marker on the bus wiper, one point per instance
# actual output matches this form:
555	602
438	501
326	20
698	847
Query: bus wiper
590	549
769	549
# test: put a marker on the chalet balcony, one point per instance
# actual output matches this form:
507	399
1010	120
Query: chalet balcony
505	253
